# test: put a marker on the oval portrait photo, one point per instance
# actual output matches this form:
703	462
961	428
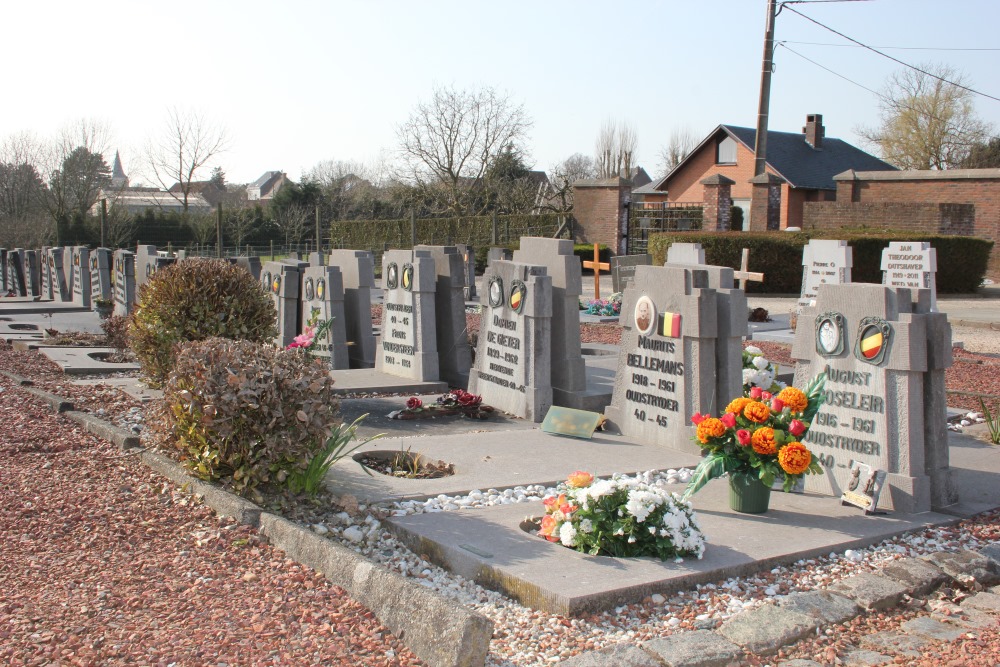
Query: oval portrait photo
645	315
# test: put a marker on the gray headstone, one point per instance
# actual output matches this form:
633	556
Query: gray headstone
685	253
251	264
824	262
623	269
357	270
569	371
911	264
101	286
3	269
124	281
666	366
81	276
31	270
323	298
495	254
408	344
147	262
282	281
315	259
884	355
513	359
449	312
67	270
46	275
468	254
15	272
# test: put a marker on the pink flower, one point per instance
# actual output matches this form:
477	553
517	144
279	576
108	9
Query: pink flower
766	395
728	420
412	403
796	428
777	405
755	392
304	339
698	418
743	436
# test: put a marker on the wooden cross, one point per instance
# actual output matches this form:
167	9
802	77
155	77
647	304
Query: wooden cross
597	266
743	275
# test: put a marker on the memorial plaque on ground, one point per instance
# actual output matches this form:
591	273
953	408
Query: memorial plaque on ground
513	358
911	264
100	274
282	281
569	370
323	300
408	344
666	363
454	352
31	270
357	270
81	276
623	269
884	355
124	281
685	253
824	262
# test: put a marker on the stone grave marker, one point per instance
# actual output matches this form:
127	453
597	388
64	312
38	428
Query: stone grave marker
124	281
623	269
357	270
468	254
685	253
59	289
408	344
513	359
32	269
3	270
323	299
15	272
67	270
824	262
496	253
251	264
282	281
911	264
148	262
315	258
101	286
884	355
568	369
47	272
454	352
81	276
666	363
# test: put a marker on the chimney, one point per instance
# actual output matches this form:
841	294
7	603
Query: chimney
814	130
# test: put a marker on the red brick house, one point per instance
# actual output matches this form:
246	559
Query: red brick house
806	161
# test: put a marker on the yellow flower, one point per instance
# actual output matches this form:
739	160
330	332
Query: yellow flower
762	440
710	428
756	412
793	398
579	479
737	404
794	458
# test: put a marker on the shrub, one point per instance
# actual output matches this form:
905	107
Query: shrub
247	413
193	300
116	334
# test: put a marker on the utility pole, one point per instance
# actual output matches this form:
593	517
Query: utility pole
760	145
104	220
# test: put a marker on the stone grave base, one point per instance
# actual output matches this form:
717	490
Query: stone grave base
13	339
367	380
20	330
85	360
25	305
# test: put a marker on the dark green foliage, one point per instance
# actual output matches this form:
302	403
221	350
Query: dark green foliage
585	251
736	218
961	260
193	300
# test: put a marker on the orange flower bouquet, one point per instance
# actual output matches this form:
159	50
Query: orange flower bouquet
759	434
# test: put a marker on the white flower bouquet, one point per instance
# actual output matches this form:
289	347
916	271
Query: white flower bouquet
759	372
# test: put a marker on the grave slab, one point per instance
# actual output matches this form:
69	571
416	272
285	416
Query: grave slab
367	380
911	264
322	292
85	360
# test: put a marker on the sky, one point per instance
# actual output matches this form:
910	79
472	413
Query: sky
298	82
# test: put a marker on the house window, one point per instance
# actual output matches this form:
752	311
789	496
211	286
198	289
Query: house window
725	151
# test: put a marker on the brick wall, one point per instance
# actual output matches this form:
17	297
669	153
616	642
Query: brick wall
598	208
956	219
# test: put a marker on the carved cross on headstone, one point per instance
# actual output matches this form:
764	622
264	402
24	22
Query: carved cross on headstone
597	266
744	275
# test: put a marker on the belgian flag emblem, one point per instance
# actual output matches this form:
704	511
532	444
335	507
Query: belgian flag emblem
874	335
518	291
871	343
407	279
669	325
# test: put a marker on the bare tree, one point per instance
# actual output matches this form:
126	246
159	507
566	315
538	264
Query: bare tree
203	227
240	224
293	221
121	227
561	179
925	122
452	141
22	191
681	142
615	149
186	145
75	167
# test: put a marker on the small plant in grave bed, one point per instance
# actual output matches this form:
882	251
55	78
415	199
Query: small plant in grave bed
610	307
992	422
404	463
455	402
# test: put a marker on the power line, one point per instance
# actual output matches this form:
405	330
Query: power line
886	55
893	48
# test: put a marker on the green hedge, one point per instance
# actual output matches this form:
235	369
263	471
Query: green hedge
961	260
585	251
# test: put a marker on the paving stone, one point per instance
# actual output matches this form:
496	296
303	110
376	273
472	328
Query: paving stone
983	601
619	655
768	628
975	619
932	629
799	662
894	642
701	648
863	658
871	591
826	607
961	564
992	551
919	576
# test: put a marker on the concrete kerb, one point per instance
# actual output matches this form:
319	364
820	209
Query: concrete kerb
58	403
102	429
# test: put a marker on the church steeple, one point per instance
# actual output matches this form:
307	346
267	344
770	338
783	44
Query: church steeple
118	178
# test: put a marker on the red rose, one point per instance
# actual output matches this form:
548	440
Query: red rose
777	405
467	399
796	428
728	420
698	418
743	436
412	403
755	392
765	395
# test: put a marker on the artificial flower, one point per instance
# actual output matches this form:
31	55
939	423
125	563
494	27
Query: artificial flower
743	437
755	392
737	404
728	420
777	405
697	418
579	480
763	440
796	428
757	412
710	428
794	399
412	403
794	458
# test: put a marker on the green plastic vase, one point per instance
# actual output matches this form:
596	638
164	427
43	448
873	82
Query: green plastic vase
747	494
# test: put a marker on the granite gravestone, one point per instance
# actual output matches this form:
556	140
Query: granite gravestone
3	270
685	253
824	262
469	258
251	264
282	281
513	363
124	281
884	355
15	272
911	264
495	254
81	276
357	270
147	262
59	289
323	300
454	352
408	344
46	277
101	286
569	371
623	269
666	363
67	270
315	259
31	270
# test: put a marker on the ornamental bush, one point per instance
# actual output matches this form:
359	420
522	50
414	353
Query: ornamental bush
193	300
247	413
